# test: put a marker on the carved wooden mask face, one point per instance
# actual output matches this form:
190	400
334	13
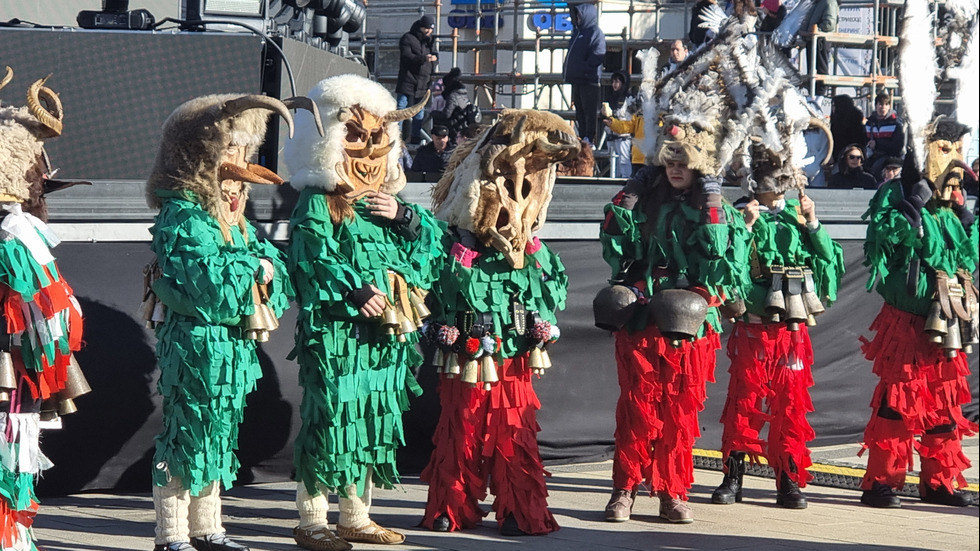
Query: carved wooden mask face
366	146
943	158
518	173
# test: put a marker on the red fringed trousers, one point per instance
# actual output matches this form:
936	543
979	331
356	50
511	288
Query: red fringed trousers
770	378
919	394
661	391
488	436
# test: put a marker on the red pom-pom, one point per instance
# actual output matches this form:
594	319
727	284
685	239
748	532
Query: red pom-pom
447	335
473	345
541	331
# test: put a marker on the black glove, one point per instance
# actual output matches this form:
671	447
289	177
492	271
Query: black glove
712	213
966	217
916	196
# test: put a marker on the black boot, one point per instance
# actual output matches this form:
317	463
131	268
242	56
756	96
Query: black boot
942	496
730	490
789	495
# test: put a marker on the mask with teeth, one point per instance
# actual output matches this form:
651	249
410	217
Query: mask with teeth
499	185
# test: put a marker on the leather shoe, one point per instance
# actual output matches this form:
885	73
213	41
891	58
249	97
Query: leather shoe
942	496
510	528
216	542
881	496
441	524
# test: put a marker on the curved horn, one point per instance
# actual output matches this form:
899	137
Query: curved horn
489	156
562	152
344	114
369	146
303	102
49	114
7	78
255	101
408	112
819	123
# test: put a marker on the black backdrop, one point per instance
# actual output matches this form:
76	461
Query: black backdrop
108	444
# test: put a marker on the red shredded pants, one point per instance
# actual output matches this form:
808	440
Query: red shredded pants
770	378
488	436
920	393
661	391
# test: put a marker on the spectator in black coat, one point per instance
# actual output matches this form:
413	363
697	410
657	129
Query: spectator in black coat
850	170
434	156
846	124
458	112
885	132
583	66
415	70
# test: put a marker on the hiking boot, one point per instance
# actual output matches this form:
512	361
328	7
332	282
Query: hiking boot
789	495
620	505
881	496
942	496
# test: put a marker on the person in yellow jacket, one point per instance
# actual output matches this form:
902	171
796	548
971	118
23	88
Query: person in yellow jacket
634	127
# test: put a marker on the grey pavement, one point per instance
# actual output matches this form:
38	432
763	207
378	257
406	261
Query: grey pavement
263	515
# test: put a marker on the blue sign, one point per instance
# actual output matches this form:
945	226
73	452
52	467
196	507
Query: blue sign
465	19
544	21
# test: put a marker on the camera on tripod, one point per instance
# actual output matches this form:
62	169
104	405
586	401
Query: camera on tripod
116	14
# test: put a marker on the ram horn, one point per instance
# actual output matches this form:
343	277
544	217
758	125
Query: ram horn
489	156
49	114
561	152
408	112
819	123
255	101
344	114
7	78
303	102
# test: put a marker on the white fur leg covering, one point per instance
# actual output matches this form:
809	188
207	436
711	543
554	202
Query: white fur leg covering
312	509
355	509
204	515
171	503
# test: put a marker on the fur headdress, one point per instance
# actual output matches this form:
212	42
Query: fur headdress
317	161
23	130
195	138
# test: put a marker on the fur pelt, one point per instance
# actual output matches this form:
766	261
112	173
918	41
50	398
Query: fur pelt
195	137
583	165
313	160
20	152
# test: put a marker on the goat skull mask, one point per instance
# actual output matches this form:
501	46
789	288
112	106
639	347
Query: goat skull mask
517	161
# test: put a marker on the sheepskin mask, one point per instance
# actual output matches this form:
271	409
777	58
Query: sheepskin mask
23	164
499	185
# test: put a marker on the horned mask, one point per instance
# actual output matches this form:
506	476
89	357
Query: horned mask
944	166
207	147
25	171
499	185
359	150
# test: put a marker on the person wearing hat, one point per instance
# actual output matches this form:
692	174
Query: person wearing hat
433	156
457	112
890	170
415	68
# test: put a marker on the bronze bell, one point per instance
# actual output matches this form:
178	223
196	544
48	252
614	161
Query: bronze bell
488	371
936	325
471	372
810	298
545	357
66	406
952	341
969	335
77	385
795	309
145	311
389	320
451	366
678	313
4	396
534	358
613	306
405	325
418	305
159	313
775	302
8	376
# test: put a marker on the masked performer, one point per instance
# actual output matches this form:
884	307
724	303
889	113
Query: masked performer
678	253
794	265
496	298
41	320
216	291
922	245
361	259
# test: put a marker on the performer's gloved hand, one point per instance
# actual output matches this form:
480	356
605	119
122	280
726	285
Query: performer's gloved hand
916	197
712	213
966	217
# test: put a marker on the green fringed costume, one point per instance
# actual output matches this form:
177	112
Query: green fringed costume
770	363
207	366
663	387
488	436
356	379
